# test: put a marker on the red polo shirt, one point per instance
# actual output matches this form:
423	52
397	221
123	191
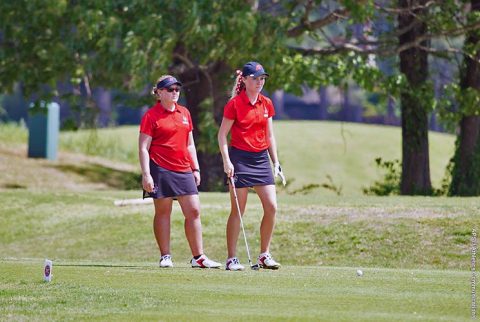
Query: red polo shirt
249	129
169	131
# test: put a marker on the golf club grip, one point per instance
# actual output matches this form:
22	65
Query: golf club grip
241	220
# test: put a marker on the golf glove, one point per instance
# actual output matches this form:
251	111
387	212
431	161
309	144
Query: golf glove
277	171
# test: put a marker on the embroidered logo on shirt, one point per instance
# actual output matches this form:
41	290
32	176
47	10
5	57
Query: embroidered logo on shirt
185	121
265	113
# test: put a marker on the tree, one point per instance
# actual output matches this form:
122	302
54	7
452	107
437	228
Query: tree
466	161
129	44
414	106
419	23
203	43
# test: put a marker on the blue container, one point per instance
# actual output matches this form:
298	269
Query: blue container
43	125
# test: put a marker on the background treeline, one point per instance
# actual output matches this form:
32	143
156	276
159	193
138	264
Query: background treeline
416	62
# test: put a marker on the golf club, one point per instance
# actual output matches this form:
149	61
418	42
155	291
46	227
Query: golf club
254	267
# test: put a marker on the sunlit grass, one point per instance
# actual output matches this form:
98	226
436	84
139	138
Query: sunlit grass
396	232
102	290
310	151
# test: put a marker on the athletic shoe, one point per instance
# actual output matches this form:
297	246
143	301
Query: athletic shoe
204	262
233	264
166	261
265	260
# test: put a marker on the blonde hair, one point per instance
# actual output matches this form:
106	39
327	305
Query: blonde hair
239	85
155	89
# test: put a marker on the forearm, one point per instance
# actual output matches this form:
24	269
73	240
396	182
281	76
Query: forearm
222	139
144	161
223	146
272	150
193	156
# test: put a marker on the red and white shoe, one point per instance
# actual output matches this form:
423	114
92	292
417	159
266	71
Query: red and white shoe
265	260
204	262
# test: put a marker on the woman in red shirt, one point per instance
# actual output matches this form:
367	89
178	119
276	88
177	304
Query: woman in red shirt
169	163
248	117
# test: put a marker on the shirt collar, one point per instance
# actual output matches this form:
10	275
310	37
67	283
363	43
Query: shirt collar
162	109
246	100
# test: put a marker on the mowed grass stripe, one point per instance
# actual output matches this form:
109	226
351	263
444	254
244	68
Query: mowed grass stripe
402	232
183	293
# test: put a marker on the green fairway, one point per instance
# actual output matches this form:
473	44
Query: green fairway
395	232
139	292
414	251
311	152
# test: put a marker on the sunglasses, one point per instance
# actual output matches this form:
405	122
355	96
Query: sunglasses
171	89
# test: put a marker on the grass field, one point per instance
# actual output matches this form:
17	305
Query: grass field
415	251
415	254
139	292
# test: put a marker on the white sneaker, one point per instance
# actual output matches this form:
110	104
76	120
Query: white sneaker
204	262
233	264
265	260
166	261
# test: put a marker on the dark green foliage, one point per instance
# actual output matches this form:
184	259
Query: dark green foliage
446	181
465	182
390	183
466	161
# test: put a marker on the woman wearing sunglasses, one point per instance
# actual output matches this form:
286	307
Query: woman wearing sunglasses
248	117
169	163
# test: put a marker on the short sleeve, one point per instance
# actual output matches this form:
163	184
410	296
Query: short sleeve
190	123
229	110
146	125
271	109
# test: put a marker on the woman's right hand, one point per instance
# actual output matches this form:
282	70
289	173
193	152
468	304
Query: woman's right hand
228	168
147	183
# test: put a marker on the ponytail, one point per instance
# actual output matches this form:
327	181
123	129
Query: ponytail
239	85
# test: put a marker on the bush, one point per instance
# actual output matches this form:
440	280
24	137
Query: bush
390	184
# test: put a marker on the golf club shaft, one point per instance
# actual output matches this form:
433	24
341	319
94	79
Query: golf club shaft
241	220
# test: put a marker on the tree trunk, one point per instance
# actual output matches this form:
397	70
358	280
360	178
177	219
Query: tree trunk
466	169
103	99
279	103
414	65
390	117
205	92
324	103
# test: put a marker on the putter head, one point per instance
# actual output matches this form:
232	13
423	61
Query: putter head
255	267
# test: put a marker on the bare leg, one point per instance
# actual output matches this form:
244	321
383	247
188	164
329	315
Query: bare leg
268	197
233	223
193	226
161	223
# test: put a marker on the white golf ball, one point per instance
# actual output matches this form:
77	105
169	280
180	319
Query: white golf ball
359	272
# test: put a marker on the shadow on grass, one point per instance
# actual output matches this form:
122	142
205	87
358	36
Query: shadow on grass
14	186
105	265
117	179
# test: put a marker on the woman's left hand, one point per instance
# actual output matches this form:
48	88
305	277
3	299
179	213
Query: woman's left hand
277	172
196	175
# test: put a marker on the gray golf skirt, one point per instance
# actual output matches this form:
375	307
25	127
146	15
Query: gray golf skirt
251	168
170	184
